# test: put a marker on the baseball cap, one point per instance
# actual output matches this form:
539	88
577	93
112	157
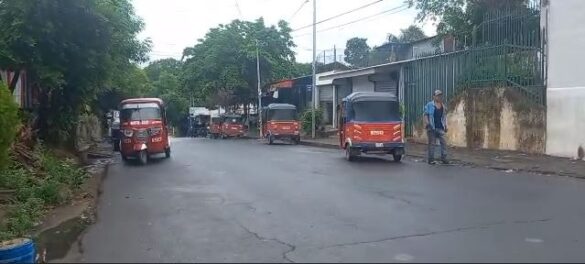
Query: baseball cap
438	92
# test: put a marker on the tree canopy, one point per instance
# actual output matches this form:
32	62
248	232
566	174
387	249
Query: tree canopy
221	68
73	50
460	17
407	35
357	52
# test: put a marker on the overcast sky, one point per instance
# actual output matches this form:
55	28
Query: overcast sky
173	25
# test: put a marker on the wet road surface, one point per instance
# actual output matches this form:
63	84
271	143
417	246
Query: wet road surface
245	201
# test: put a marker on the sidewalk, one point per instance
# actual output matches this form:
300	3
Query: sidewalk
495	159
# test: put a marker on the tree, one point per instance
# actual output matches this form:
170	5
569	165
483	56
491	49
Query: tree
73	49
357	52
392	38
221	68
460	17
411	34
8	123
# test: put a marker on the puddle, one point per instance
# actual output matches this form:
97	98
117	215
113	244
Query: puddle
58	240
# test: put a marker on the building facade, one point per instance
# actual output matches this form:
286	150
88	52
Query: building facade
564	39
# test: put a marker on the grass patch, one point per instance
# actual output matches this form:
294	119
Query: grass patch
51	182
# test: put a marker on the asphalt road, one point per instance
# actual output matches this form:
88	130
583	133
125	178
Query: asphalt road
244	201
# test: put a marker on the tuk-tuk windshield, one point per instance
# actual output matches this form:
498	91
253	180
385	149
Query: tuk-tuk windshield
282	114
141	111
372	111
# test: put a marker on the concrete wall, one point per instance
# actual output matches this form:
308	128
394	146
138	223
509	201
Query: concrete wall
565	35
493	118
362	84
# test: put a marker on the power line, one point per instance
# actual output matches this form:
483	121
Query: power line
298	9
404	7
339	15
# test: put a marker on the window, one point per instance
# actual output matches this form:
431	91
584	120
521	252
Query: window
375	111
137	112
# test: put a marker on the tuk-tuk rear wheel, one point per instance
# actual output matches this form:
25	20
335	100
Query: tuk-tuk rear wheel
270	140
168	153
349	154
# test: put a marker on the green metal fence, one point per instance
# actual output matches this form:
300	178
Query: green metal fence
519	68
507	52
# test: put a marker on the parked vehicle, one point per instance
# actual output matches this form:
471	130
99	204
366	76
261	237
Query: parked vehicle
279	122
371	123
199	125
144	129
233	126
215	127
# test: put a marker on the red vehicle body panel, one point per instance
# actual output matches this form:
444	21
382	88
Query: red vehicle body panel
215	128
281	128
151	133
390	132
233	129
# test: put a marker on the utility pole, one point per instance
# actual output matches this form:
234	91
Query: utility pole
314	85
259	108
334	56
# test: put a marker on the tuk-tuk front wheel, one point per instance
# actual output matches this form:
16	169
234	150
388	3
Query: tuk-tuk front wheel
397	157
143	157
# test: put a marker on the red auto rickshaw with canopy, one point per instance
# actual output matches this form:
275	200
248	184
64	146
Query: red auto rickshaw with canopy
232	126
215	126
279	122
371	123
144	129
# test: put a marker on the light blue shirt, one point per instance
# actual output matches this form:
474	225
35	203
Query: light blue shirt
429	111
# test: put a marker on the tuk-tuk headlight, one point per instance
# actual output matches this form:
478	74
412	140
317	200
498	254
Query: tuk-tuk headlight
128	132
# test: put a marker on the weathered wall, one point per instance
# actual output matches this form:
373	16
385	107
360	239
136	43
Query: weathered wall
565	79
493	119
88	132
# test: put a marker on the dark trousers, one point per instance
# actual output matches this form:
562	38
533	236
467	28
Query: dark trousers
433	135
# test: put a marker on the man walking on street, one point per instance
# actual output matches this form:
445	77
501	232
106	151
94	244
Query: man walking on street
435	120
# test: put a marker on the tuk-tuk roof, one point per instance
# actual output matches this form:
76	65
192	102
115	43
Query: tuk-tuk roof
370	96
281	106
142	100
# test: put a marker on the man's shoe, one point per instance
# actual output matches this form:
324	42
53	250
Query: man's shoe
431	162
445	162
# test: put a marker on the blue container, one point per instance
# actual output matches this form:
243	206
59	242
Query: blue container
18	251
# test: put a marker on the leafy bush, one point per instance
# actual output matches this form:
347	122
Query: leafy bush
9	122
53	183
307	117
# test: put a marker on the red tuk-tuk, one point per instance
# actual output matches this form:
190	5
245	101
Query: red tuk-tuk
232	125
144	129
371	123
279	122
215	126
